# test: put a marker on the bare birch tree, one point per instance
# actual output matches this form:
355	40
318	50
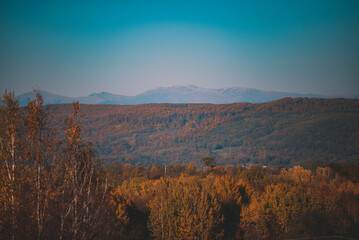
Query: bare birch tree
10	153
80	194
38	152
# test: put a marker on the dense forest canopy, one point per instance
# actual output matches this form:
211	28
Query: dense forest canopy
290	131
53	185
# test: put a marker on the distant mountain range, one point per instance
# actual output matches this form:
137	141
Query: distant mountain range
174	94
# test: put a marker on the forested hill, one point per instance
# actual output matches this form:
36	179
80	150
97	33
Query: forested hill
289	131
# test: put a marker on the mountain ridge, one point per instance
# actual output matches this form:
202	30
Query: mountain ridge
173	94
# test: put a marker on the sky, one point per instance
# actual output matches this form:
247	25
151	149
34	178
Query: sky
75	48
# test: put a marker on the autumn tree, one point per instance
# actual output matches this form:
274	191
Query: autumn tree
131	210
81	181
208	162
10	150
38	152
291	210
184	209
233	195
191	169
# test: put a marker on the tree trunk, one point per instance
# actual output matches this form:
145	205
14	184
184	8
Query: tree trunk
13	187
38	213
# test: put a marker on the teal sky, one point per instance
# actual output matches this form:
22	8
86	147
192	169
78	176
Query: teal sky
75	48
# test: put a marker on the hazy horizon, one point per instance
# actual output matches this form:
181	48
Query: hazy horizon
177	85
129	47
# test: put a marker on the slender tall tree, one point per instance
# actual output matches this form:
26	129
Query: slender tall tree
38	151
81	200
10	142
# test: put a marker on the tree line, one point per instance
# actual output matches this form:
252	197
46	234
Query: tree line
53	186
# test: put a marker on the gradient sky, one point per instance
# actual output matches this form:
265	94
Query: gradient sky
75	48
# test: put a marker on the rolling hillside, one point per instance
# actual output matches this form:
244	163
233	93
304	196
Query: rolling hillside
288	131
